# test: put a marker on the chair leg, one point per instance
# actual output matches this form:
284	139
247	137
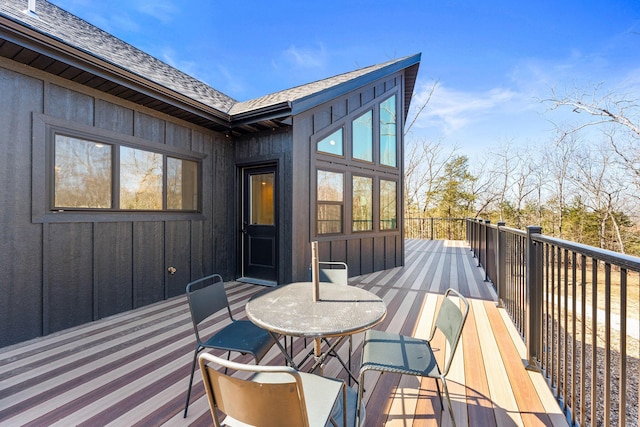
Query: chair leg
193	370
359	402
446	394
440	393
349	361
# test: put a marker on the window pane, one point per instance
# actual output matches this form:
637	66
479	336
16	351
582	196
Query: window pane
330	186
363	137
330	189
362	203
82	173
388	203
140	179
332	144
388	132
262	200
182	184
329	218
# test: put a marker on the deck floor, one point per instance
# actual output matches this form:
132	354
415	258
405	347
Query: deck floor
133	368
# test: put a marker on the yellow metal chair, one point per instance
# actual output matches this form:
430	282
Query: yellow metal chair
272	396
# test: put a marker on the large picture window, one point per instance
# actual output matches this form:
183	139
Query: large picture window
356	159
90	174
388	203
330	192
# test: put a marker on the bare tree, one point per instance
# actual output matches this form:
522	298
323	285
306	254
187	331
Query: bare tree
559	157
424	166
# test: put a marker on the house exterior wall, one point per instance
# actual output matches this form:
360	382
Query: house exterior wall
268	148
364	252
64	269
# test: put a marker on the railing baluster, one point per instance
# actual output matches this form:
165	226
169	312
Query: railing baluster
565	328
583	337
594	340
622	386
573	335
607	344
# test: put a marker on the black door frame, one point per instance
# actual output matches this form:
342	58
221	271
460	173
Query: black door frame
262	276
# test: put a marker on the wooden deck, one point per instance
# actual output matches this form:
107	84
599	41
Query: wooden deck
133	368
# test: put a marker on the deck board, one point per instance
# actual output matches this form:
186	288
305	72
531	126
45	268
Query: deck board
133	368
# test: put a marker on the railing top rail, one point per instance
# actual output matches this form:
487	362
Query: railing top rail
516	231
502	227
611	257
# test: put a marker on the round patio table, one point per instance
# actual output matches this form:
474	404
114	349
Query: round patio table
290	310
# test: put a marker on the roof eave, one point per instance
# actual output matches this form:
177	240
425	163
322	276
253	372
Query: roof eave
44	44
313	100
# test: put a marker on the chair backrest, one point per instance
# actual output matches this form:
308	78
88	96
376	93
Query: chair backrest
206	296
333	272
450	321
267	404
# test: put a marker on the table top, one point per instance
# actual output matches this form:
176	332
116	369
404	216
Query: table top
341	310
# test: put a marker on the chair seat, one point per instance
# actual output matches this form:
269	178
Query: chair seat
383	351
242	336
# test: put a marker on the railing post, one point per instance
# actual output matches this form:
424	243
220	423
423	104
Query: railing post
501	252
533	326
431	226
486	249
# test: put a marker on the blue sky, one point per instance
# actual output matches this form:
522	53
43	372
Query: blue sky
493	60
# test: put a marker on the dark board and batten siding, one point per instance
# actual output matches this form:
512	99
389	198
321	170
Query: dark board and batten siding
363	252
269	148
57	273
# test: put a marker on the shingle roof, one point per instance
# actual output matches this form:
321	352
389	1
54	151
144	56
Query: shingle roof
303	91
73	31
56	24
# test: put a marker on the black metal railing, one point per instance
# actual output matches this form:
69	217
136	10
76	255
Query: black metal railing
576	307
435	228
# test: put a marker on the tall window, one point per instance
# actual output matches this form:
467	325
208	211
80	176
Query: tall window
330	202
388	132
363	137
388	203
362	215
332	144
98	175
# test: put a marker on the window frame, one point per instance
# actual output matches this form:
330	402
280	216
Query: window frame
340	204
379	132
351	166
380	198
45	129
371	200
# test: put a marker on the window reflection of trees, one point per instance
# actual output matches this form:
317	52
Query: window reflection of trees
388	132
363	137
82	173
362	203
330	197
388	203
140	179
182	184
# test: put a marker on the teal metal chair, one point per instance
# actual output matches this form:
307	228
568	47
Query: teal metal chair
335	272
400	354
270	396
206	297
